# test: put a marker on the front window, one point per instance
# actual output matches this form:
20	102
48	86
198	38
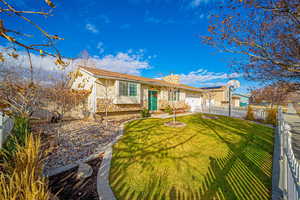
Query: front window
127	89
173	95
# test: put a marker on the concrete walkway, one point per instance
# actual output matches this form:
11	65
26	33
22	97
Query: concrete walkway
293	119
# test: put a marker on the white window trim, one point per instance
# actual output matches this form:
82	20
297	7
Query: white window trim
128	88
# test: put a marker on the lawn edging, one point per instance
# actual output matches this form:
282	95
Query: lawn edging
103	188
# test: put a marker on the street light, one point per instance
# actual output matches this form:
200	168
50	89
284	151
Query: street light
232	84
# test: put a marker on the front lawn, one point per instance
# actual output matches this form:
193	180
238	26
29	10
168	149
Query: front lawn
222	158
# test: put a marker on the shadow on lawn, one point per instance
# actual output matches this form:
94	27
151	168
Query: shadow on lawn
242	174
237	176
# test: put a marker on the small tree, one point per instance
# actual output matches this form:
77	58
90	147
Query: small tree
173	96
208	95
65	98
108	97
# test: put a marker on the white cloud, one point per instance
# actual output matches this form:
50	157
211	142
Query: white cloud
196	3
92	28
201	16
100	47
202	77
121	62
155	20
45	68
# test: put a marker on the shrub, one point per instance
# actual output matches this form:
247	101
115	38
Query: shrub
145	113
168	110
22	178
271	116
250	114
18	136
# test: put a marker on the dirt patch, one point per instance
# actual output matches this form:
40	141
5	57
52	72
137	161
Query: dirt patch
175	124
67	187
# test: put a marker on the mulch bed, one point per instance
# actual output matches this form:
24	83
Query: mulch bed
67	187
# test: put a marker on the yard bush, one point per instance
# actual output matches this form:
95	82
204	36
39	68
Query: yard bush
22	177
250	114
145	113
18	136
271	116
168	110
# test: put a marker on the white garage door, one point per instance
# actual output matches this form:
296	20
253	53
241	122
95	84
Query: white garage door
194	103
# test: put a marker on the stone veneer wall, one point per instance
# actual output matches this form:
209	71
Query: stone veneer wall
178	104
117	107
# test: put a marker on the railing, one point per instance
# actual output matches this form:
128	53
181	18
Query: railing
6	125
289	166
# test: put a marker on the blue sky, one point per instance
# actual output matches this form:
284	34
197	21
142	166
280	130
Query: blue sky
150	38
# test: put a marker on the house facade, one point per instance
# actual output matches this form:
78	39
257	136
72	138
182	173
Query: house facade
243	99
117	92
215	96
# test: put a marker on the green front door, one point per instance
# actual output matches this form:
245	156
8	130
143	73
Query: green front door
152	100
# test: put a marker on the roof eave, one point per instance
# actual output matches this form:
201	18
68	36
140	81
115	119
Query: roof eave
139	81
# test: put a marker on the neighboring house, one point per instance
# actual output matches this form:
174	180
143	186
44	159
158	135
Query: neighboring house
215	96
117	92
244	99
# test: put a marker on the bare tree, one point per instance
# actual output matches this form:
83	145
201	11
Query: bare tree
16	37
107	100
173	97
264	34
275	94
208	95
21	95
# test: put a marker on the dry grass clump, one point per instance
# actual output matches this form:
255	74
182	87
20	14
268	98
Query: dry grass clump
250	114
21	177
271	116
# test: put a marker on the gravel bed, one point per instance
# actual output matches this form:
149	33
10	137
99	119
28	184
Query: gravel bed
70	141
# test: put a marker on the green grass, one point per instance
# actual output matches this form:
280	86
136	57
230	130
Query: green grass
208	159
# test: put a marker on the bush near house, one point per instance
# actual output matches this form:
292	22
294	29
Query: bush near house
168	110
145	113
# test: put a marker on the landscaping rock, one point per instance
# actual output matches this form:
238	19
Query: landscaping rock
74	140
84	171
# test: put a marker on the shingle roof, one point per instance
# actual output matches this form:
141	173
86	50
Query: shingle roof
101	72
